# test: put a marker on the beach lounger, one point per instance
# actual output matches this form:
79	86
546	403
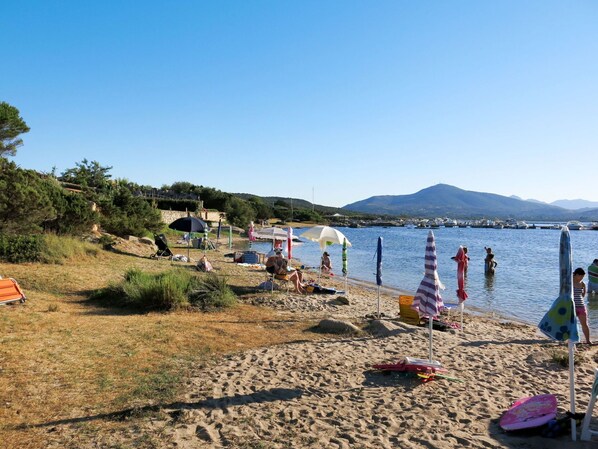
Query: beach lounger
10	291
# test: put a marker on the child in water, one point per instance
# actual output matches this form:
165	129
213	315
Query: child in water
579	293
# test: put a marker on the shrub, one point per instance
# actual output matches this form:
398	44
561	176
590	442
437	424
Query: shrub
170	290
21	248
213	292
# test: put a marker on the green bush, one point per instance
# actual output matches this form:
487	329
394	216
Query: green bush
170	290
21	248
213	292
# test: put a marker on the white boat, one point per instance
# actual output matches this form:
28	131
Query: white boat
575	225
521	225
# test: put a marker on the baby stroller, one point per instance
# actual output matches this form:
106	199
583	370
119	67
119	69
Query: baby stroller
163	249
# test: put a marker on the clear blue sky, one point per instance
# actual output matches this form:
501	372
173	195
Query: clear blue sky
334	101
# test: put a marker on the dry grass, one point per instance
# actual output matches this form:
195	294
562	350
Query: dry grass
64	359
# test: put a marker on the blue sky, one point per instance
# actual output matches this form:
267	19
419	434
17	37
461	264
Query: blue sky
334	101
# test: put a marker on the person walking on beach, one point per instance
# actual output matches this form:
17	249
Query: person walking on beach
579	293
489	262
593	278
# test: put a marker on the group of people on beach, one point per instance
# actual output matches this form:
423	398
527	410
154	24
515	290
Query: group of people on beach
579	287
278	266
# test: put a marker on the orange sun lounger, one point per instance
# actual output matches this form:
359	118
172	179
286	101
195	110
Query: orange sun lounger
10	291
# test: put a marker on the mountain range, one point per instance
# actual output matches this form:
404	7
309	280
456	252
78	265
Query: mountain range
443	200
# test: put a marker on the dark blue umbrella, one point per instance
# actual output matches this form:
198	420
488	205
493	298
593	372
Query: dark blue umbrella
189	224
219	229
379	270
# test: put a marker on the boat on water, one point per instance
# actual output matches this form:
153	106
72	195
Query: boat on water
521	225
575	225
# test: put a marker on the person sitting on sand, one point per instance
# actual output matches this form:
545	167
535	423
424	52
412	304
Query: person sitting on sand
204	264
277	266
326	265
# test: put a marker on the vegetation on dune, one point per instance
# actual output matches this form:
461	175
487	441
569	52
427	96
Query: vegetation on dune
170	290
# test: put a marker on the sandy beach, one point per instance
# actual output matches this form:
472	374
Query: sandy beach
326	394
322	392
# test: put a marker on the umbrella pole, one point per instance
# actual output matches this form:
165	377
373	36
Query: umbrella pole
430	320
188	241
378	302
346	292
462	306
572	388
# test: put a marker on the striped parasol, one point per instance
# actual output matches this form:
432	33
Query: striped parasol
345	263
289	244
428	301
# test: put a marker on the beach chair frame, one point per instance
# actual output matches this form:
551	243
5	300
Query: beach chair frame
10	292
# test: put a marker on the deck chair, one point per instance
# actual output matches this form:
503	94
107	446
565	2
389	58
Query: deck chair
163	249
406	313
10	291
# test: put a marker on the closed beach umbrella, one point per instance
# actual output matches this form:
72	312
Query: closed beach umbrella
560	322
188	224
230	237
461	259
379	270
427	300
219	230
289	243
345	265
251	233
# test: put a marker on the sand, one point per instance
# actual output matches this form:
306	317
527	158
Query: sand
325	394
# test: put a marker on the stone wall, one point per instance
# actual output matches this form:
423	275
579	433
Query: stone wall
209	216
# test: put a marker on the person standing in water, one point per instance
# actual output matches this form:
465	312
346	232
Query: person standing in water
579	293
489	262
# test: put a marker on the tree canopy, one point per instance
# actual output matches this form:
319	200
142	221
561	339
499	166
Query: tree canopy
11	127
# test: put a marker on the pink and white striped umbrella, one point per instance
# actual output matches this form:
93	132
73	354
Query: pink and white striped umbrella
428	301
289	243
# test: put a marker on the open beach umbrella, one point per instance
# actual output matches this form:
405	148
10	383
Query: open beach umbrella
461	259
379	270
560	322
427	300
272	233
325	235
345	265
189	224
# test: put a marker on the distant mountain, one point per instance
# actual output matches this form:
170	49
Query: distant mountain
575	204
444	200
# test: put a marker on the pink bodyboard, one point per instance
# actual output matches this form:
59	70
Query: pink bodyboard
529	412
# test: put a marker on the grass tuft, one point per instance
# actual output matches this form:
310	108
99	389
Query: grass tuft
58	249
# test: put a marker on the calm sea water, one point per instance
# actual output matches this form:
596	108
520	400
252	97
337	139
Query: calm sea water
524	286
